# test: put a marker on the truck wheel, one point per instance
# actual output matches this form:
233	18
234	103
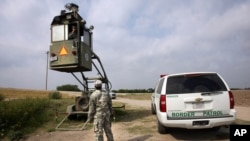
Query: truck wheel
69	110
83	103
161	129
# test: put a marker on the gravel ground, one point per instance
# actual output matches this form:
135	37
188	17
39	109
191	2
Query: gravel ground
122	134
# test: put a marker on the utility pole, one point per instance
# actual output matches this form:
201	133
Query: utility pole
46	85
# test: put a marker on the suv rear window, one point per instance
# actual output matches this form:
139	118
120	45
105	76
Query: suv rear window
160	86
194	83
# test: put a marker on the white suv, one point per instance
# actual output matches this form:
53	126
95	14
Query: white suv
193	101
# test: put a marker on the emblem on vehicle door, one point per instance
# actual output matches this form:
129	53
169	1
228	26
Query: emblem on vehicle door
198	99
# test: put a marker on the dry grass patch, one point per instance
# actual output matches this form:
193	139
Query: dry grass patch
137	96
241	97
14	93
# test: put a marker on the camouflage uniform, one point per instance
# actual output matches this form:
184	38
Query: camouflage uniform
100	108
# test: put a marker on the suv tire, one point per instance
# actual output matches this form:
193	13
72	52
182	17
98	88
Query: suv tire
161	129
153	109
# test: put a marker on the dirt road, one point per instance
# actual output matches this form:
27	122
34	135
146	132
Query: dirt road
126	130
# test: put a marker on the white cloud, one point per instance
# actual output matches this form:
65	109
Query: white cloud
136	40
230	24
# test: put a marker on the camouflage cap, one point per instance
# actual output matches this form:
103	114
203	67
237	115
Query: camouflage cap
98	82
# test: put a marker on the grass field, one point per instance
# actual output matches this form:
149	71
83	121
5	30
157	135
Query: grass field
58	108
13	93
242	97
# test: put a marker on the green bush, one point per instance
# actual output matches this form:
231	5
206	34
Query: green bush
21	116
55	95
68	87
1	97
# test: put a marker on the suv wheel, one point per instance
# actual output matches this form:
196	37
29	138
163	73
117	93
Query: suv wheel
153	109
216	128
161	129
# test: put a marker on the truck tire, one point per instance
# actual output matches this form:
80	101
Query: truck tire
70	109
82	103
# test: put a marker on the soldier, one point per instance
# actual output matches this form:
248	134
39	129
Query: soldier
73	33
100	108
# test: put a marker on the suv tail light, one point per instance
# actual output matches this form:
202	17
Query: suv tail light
231	98
162	75
163	106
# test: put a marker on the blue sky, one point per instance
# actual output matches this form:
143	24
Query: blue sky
137	40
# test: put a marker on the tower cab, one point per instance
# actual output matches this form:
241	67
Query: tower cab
71	42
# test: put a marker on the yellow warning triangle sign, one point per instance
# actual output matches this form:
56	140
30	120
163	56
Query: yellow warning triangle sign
63	51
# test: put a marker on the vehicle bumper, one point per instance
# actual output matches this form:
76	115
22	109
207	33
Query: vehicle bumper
189	123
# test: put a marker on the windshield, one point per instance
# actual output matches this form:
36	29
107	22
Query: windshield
194	84
58	33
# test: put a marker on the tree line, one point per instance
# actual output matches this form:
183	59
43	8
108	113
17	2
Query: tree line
69	87
150	90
